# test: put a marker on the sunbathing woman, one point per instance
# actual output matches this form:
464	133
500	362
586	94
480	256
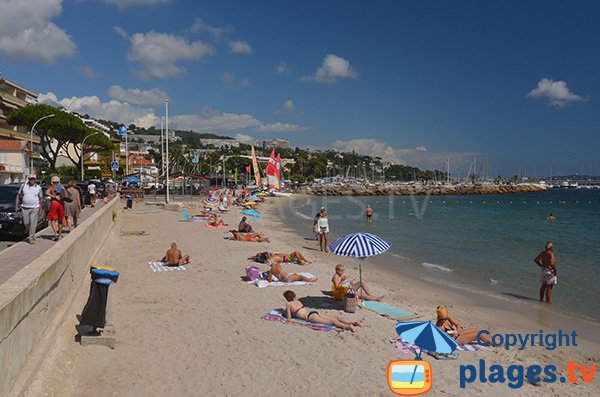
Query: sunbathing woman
294	257
277	271
253	237
295	308
341	284
215	221
452	328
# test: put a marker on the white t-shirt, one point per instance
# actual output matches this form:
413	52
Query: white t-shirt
91	188
31	196
323	225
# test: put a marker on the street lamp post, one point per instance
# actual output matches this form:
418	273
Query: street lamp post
31	133
82	151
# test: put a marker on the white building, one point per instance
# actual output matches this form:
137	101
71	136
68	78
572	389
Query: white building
219	143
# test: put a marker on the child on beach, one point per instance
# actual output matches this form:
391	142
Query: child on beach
341	284
296	309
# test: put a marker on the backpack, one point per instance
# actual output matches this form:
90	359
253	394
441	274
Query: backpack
65	195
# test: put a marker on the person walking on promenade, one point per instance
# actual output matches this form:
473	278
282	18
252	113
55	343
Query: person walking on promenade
92	192
73	208
547	263
56	211
30	201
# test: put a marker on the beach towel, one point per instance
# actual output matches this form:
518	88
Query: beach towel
275	315
215	227
193	218
388	310
407	348
161	267
276	283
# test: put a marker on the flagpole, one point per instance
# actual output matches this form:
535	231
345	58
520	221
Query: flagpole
126	155
167	145
162	145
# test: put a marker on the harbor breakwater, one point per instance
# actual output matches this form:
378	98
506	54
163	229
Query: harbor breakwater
420	189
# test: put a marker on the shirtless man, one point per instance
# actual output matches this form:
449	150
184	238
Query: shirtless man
174	257
369	213
547	262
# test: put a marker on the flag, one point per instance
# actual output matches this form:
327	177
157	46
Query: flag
255	167
235	176
122	131
272	172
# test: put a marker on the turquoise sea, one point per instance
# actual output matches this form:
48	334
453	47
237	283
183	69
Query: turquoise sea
485	243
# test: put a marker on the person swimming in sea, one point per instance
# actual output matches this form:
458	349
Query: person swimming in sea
551	218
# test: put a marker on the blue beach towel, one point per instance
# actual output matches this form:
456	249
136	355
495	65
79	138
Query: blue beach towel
388	310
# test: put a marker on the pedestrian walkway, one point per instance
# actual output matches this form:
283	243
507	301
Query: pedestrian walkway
21	254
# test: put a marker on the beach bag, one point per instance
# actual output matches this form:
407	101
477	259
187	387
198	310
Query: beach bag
65	195
350	301
252	272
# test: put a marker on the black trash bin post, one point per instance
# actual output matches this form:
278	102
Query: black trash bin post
129	201
94	311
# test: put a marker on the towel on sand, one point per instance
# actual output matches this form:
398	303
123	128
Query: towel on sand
276	283
161	267
408	348
275	315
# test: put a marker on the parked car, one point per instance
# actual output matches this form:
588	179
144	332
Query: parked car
11	222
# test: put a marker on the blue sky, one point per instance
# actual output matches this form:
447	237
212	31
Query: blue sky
514	83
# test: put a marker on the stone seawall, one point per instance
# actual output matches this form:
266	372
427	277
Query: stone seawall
32	301
418	189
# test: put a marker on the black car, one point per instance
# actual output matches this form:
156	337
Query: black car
11	222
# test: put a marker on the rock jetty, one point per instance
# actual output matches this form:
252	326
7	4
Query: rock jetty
420	189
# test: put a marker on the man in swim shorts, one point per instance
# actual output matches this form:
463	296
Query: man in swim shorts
174	257
369	213
547	263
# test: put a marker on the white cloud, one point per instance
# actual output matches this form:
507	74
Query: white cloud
200	26
158	54
239	47
557	93
88	72
287	107
121	32
129	3
112	110
137	96
282	68
212	120
280	127
419	156
229	79
332	69
27	33
242	138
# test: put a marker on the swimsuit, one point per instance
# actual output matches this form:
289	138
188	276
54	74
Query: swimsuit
248	238
309	313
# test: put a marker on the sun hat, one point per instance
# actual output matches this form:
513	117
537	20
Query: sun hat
31	176
55	178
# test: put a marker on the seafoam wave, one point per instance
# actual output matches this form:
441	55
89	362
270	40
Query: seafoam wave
401	257
436	267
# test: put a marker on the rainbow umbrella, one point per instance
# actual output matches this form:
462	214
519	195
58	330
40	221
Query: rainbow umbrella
210	202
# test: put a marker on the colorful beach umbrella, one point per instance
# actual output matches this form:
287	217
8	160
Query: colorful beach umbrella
253	198
250	203
210	202
261	194
426	335
360	246
253	213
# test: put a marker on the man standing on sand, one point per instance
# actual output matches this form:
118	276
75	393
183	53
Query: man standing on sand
174	257
30	201
369	213
547	262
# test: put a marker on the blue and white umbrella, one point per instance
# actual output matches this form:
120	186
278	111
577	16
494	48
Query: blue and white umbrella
427	336
359	245
253	213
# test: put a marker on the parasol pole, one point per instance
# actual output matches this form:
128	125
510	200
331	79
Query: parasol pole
360	285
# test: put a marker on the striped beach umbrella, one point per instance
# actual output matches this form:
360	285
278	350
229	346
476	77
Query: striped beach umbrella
360	246
210	202
426	335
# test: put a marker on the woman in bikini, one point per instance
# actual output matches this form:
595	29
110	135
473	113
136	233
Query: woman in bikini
341	284
453	328
215	221
295	256
294	308
277	271
252	237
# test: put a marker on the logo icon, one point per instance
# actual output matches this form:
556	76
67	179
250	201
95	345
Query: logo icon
409	377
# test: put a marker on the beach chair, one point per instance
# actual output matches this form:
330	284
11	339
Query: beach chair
186	216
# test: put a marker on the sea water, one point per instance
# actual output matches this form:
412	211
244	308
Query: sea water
486	243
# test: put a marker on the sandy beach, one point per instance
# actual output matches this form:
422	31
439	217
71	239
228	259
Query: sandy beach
198	332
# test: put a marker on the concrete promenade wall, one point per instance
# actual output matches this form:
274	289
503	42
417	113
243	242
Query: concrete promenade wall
35	298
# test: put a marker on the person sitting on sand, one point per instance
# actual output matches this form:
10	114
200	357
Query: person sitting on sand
253	237
174	257
215	221
341	284
294	308
244	227
450	326
293	257
277	271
